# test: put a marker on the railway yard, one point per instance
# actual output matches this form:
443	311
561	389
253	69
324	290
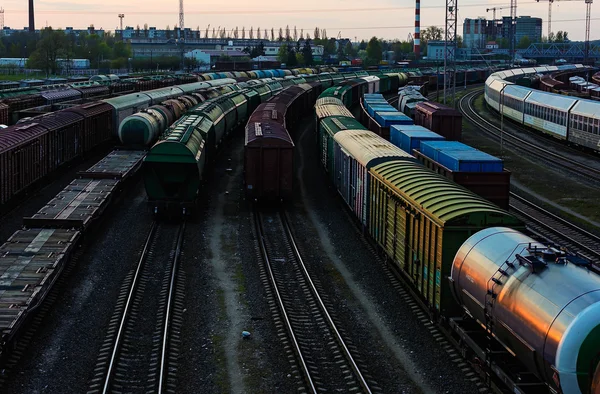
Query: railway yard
301	231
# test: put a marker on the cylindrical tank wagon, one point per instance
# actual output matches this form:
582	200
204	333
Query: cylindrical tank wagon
540	303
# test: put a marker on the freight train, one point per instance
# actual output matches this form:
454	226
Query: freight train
528	311
570	119
174	166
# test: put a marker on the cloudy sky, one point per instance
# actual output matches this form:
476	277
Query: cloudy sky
353	18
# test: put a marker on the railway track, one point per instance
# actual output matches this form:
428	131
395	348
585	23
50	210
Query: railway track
140	350
465	105
325	358
557	229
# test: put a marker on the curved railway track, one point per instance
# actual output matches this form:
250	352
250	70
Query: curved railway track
553	227
324	357
465	105
538	219
136	357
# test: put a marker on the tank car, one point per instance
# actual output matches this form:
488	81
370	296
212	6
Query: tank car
542	305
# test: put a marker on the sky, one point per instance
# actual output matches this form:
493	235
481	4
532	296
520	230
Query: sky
360	19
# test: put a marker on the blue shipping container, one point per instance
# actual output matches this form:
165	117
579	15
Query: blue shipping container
470	161
372	108
408	138
386	119
372	96
431	149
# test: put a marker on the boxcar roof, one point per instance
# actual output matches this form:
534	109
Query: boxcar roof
16	135
587	108
552	100
324	111
368	148
442	200
436	108
328	100
271	133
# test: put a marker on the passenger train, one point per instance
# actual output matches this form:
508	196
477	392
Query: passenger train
571	119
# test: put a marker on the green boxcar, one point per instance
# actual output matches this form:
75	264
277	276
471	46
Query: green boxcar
215	114
275	87
229	111
325	111
253	99
173	168
385	85
326	80
264	92
241	104
421	219
328	128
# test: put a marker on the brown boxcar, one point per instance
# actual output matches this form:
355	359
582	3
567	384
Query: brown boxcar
440	119
65	136
268	161
97	124
493	186
3	114
24	151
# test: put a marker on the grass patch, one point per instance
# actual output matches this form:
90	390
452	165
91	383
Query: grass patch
19	77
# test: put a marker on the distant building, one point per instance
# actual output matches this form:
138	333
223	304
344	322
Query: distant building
527	26
476	32
436	50
7	31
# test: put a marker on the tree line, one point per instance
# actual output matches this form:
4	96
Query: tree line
44	49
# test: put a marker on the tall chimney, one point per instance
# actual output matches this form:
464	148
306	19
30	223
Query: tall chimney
417	37
31	17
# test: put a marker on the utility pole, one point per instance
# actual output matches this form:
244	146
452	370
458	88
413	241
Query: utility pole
121	16
1	20
513	29
181	33
450	51
588	14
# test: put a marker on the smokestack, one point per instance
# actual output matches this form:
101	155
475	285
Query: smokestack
31	17
417	37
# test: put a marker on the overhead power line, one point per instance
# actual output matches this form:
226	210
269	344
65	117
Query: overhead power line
261	12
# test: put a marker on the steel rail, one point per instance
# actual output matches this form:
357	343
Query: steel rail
315	292
165	339
561	221
130	296
290	329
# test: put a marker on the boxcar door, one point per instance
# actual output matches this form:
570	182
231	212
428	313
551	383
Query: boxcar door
270	173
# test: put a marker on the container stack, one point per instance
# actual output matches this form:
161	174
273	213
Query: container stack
378	115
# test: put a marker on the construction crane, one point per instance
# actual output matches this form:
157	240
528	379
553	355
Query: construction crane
494	9
550	2
588	14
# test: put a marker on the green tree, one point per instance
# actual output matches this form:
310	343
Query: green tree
524	43
122	50
291	56
300	59
49	48
349	50
307	53
282	55
374	51
431	33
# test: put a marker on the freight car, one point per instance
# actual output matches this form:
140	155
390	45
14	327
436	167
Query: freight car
36	255
542	304
573	120
440	119
427	226
268	148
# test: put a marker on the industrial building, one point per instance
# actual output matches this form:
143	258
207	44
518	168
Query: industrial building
477	32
